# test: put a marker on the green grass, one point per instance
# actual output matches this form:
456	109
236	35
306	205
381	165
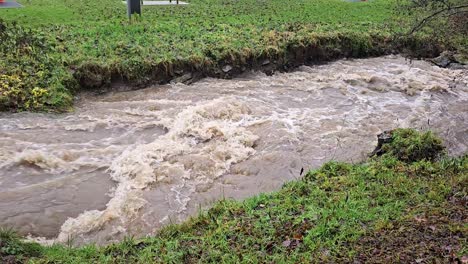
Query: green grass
12	245
213	12
334	214
68	45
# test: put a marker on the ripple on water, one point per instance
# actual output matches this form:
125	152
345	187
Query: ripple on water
129	162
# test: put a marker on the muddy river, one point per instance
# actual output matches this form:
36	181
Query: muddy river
127	163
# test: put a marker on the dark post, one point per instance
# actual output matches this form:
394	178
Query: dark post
133	7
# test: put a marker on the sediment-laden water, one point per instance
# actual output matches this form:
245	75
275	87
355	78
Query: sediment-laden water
127	163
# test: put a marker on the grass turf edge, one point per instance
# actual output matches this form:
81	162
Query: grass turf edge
36	76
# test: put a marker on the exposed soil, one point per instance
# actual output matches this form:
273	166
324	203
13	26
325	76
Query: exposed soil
102	78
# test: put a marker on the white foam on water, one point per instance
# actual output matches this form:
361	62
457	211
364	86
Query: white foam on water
169	150
210	130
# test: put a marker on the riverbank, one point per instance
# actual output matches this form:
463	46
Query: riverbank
55	49
411	199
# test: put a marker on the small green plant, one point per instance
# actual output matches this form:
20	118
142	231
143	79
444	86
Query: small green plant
7	234
11	245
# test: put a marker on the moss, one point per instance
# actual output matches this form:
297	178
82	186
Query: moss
409	145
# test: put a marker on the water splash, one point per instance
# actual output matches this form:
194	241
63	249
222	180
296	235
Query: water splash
128	163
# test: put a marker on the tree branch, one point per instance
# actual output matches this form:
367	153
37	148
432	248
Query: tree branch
432	16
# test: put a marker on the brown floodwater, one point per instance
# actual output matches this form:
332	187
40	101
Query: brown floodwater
127	163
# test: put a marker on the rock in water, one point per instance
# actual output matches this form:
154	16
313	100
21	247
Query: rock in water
227	68
183	79
450	60
461	58
444	59
457	66
382	138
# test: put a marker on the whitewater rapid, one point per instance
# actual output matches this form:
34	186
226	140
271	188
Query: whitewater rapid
128	163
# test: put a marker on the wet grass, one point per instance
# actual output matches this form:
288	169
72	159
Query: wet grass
58	47
385	210
12	248
427	235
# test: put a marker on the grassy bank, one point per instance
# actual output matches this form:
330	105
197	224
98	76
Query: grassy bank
51	48
407	205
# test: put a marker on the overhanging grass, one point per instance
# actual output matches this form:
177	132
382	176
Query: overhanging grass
323	217
87	44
